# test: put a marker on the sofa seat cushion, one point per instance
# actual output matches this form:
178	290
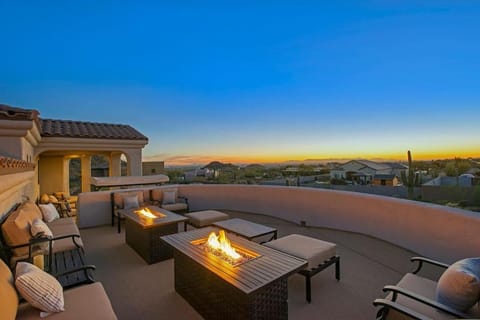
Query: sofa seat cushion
313	250
205	218
175	206
8	294
63	228
424	287
84	302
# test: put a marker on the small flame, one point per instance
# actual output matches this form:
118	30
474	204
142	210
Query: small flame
146	212
222	244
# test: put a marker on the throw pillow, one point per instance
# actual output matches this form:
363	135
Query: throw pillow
459	285
130	202
169	197
39	229
44	198
49	212
52	199
39	288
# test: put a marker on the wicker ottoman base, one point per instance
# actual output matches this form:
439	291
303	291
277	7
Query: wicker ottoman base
215	298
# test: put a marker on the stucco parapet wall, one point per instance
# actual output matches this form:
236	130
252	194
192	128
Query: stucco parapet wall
431	230
20	129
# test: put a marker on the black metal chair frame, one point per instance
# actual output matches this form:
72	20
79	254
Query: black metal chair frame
385	304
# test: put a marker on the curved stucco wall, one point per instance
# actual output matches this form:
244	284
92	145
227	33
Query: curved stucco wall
434	231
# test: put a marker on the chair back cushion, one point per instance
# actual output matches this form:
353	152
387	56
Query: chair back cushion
169	197
119	196
8	294
49	212
459	285
156	195
16	229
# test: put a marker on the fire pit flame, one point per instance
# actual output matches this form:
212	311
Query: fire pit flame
146	213
221	243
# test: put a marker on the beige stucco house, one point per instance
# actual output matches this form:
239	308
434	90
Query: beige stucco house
42	148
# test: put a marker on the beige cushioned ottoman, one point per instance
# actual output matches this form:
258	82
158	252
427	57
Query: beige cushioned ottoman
200	219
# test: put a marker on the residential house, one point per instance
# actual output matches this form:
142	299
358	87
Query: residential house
363	171
50	144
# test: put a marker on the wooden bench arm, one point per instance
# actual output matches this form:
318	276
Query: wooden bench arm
415	296
422	260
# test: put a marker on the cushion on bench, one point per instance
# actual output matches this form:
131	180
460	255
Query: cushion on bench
205	218
313	250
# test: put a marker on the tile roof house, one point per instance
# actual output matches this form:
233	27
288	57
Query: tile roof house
49	144
363	171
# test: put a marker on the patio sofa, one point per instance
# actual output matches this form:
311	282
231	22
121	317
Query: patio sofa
84	302
59	248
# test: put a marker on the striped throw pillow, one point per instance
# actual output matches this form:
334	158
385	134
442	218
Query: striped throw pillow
39	288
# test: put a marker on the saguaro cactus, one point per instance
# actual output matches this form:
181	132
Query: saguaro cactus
411	179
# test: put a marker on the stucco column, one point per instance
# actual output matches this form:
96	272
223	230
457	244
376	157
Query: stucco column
86	172
115	164
134	162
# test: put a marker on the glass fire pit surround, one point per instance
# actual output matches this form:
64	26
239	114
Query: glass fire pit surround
217	289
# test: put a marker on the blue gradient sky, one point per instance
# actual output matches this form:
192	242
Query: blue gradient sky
254	82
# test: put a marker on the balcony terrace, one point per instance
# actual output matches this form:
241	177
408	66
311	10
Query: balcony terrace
372	234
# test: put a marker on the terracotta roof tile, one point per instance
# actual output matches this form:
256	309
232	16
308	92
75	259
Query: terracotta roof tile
90	130
11	113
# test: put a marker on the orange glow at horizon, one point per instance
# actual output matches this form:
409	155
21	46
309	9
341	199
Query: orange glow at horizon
396	156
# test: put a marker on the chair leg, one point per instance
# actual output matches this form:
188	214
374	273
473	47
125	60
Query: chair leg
337	268
308	288
119	224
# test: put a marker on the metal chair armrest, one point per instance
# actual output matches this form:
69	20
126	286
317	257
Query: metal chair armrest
422	260
434	304
385	305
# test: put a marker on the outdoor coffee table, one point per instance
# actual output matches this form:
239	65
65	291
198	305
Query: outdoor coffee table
256	289
143	234
246	229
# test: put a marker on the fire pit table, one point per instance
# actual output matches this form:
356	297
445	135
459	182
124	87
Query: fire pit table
255	288
145	226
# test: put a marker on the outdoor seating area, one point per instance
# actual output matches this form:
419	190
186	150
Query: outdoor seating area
146	289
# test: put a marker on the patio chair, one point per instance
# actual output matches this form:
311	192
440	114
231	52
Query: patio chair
454	296
169	199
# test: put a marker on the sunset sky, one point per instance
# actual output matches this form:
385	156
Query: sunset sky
254	81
